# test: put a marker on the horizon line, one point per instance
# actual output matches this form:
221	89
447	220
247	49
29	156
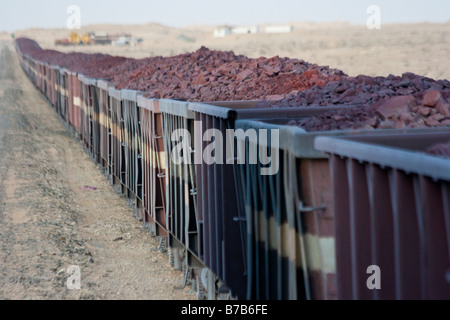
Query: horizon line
223	24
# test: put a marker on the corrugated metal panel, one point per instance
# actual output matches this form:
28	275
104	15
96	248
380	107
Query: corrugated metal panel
391	203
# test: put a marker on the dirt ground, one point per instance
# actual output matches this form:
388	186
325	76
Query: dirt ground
49	221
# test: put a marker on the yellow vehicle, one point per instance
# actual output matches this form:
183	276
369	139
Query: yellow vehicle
80	39
76	39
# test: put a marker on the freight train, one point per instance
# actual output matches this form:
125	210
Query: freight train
348	206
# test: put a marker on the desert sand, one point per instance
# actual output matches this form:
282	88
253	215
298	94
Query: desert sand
394	49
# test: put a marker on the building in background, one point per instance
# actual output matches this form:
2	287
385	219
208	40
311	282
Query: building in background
245	30
279	29
224	31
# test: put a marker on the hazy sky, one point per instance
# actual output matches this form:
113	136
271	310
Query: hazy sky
21	14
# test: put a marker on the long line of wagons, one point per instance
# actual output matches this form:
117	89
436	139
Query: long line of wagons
343	209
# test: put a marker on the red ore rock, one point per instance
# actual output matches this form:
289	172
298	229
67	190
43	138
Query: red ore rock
244	75
396	106
388	124
443	107
200	80
275	97
310	73
440	149
424	111
431	98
